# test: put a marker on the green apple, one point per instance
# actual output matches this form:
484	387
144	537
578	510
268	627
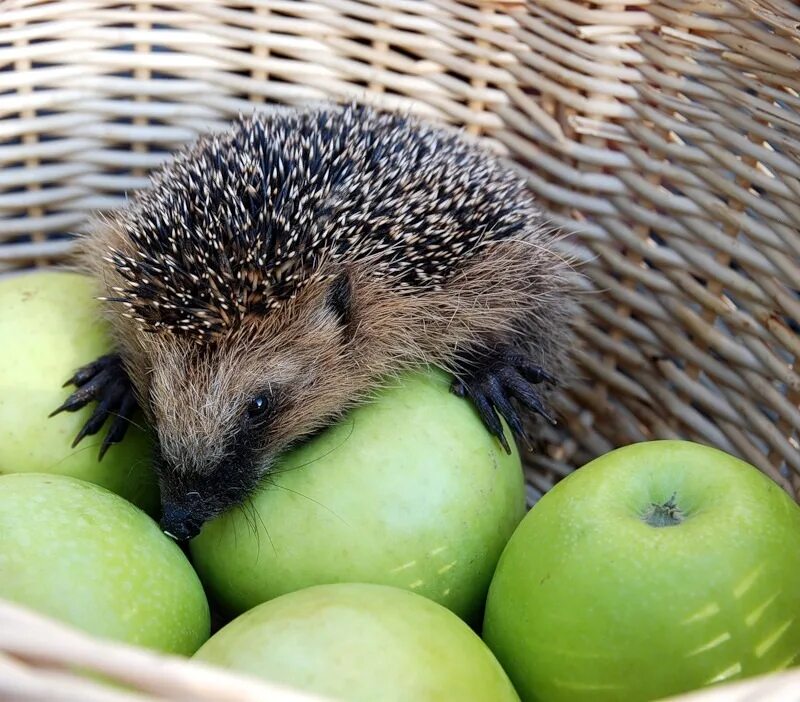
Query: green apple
409	490
50	326
657	568
79	553
360	643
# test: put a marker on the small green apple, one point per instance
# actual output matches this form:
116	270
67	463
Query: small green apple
409	490
657	568
50	326
360	643
79	553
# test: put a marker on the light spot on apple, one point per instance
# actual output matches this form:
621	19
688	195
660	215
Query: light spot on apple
772	639
718	641
405	566
729	672
747	581
754	616
709	610
577	685
416	584
446	567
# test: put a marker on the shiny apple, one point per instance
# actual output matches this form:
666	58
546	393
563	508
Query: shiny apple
50	325
76	552
360	643
657	568
409	490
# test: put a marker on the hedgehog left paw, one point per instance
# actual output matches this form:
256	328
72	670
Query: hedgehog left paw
106	382
493	384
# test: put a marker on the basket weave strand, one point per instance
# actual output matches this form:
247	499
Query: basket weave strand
663	135
36	652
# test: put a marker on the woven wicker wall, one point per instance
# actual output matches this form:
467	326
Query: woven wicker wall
95	94
668	138
664	135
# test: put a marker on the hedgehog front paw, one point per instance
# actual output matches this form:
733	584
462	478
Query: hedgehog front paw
494	383
106	382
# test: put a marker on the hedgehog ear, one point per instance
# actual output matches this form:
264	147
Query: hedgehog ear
339	298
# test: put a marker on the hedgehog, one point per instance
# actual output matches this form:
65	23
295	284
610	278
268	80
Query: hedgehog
276	273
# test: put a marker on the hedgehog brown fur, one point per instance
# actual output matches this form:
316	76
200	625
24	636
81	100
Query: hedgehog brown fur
274	273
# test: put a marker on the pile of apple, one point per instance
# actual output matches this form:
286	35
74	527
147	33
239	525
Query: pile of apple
391	557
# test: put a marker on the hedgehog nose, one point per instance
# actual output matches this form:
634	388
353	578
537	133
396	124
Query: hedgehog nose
177	522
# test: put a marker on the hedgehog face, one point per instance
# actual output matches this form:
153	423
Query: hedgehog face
214	437
223	411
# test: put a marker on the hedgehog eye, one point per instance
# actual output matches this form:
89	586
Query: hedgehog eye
258	406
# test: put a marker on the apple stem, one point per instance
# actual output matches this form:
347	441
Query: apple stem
664	515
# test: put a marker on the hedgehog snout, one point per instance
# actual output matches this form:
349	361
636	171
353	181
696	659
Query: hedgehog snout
190	498
183	514
179	522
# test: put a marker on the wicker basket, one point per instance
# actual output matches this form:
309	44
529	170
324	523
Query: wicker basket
664	135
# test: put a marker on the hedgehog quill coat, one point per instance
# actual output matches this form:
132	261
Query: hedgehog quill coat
275	273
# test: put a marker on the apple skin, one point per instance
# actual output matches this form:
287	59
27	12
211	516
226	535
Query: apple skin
81	554
360	643
409	490
590	602
51	325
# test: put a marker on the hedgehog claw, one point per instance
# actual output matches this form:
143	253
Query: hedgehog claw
494	384
90	370
458	388
106	382
488	414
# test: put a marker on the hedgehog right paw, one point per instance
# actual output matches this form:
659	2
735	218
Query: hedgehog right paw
492	385
106	382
